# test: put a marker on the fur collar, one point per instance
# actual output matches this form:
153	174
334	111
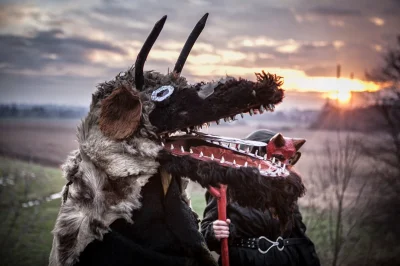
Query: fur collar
107	177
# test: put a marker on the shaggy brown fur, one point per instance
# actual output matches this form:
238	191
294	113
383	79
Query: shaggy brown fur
120	113
107	174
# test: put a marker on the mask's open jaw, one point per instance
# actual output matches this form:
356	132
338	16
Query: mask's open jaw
224	151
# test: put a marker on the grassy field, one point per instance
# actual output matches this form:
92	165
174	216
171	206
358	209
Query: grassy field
25	237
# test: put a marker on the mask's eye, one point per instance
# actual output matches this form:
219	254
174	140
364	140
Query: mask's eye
162	93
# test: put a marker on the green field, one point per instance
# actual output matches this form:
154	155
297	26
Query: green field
25	237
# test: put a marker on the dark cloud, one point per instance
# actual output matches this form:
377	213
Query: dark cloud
46	48
306	57
321	71
335	11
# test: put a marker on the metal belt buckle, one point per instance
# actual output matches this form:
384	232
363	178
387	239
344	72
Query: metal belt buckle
283	243
273	244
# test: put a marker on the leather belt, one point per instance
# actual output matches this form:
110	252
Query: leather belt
263	242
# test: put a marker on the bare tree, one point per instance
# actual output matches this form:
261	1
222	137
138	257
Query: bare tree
337	201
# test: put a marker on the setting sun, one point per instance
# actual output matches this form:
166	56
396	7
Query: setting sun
343	96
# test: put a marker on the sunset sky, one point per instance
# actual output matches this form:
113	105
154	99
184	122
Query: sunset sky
57	51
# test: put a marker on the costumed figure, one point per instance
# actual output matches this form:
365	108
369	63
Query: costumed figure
255	236
124	201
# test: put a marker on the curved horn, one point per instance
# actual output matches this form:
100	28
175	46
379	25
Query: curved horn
144	52
189	44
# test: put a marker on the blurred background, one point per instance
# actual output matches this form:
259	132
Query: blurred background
340	61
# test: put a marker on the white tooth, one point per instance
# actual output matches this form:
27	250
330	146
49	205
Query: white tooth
261	109
247	150
217	122
225	119
201	154
241	114
271	107
191	151
259	166
233	117
265	157
182	150
251	112
256	153
234	161
284	166
273	159
208	124
245	164
172	147
222	159
162	144
253	93
212	156
279	163
188	129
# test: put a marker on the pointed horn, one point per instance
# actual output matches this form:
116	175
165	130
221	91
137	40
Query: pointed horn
298	143
144	52
278	139
189	44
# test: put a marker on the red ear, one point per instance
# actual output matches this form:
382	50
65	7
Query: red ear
120	113
298	143
295	158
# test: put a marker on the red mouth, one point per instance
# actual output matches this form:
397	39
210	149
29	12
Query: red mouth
199	148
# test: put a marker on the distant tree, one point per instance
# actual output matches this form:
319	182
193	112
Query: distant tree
383	151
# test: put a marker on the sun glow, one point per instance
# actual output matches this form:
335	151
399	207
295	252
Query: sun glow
343	96
293	79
